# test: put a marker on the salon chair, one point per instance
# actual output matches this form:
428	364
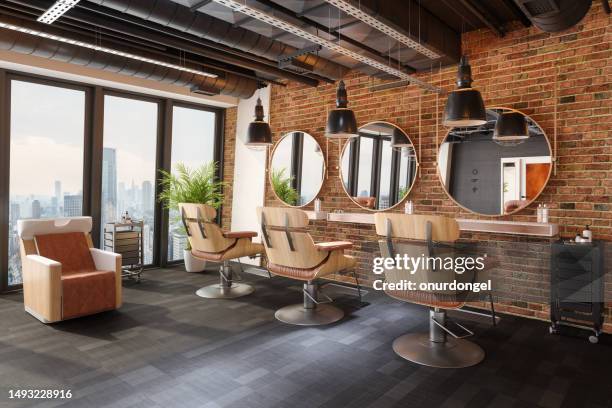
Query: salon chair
209	242
64	277
292	253
429	236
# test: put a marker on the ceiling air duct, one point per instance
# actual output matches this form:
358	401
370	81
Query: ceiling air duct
554	15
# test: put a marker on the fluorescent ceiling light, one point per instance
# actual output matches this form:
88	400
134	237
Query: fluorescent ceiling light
295	30
57	10
382	27
104	49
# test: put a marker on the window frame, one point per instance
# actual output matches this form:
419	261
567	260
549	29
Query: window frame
92	163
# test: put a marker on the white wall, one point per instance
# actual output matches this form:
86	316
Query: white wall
249	170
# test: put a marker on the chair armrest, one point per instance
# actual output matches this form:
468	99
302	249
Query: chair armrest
110	261
240	234
104	260
37	263
333	246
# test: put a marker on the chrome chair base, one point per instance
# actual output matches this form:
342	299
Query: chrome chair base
298	315
226	288
453	353
219	291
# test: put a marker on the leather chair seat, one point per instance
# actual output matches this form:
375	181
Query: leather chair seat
242	246
86	293
330	265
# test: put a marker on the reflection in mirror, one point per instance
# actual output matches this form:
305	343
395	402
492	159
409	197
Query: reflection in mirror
490	177
297	169
375	175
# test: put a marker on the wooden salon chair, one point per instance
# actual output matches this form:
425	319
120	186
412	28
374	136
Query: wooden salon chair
292	253
428	236
63	275
209	242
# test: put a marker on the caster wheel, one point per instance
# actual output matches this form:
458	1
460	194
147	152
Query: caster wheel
553	330
593	339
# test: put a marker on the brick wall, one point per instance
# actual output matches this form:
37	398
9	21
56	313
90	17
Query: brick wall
518	71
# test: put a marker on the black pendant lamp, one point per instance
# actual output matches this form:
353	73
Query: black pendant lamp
341	122
399	139
259	133
511	128
464	107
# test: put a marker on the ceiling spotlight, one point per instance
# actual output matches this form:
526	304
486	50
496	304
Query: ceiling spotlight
464	107
57	10
341	122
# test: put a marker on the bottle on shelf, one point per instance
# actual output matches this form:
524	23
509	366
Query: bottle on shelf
317	205
545	214
409	207
539	212
587	234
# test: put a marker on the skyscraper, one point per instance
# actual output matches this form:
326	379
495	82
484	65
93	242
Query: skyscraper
147	197
73	205
36	209
57	198
109	185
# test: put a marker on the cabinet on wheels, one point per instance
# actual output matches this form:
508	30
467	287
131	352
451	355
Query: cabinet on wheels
577	286
127	239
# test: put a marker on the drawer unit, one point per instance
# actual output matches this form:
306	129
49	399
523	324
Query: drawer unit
127	239
576	296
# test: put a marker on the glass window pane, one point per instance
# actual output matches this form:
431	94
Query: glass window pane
46	172
193	144
128	164
385	175
366	144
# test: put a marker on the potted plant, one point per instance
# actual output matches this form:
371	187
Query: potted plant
282	187
186	185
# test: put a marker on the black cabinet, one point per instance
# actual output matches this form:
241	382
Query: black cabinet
577	286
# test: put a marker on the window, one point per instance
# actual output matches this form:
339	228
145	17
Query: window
193	144
129	164
47	133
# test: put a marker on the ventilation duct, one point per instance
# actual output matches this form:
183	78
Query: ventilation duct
23	43
173	15
554	15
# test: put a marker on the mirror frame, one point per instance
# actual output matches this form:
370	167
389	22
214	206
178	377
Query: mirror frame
417	167
269	169
552	163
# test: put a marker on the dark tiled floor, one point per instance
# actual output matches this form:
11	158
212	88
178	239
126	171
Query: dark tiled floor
169	348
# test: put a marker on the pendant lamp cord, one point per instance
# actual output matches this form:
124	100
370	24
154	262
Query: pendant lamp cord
555	133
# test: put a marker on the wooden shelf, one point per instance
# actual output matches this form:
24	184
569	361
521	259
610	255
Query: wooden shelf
493	226
314	216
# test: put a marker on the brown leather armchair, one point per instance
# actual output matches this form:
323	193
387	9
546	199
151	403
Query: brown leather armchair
292	253
63	275
209	242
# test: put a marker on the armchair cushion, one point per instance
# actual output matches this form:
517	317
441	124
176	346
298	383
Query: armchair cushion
332	246
70	249
240	234
86	293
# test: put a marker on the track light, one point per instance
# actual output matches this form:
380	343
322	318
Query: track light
58	9
464	107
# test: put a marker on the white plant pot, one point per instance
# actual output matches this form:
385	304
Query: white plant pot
193	264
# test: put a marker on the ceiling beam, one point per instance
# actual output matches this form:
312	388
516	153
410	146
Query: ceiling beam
408	16
199	5
489	21
335	31
311	9
516	10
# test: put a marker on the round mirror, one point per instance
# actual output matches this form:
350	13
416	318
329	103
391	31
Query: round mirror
297	169
496	168
375	175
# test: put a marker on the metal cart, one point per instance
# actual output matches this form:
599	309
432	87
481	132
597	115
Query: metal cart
126	238
576	296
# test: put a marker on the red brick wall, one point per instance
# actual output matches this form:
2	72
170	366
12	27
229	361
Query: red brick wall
518	71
